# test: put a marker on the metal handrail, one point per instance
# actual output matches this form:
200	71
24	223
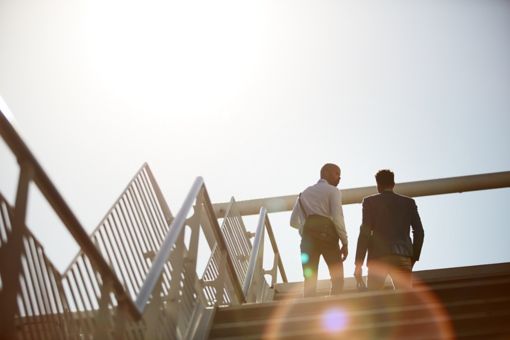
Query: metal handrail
223	246
164	297
258	253
275	249
171	237
259	234
31	170
175	230
439	186
161	200
64	212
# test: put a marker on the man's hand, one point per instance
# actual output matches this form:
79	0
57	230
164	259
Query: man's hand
344	252
358	274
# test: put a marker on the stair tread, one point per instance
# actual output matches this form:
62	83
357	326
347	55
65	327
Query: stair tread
476	305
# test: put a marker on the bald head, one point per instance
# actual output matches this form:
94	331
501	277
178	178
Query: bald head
331	173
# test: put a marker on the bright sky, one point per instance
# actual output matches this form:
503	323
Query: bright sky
255	96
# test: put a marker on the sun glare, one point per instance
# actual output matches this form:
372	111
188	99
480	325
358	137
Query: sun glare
187	59
334	320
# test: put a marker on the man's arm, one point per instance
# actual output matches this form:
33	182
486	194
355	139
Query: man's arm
418	232
297	218
337	215
365	231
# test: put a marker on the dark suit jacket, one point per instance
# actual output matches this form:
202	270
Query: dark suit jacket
387	218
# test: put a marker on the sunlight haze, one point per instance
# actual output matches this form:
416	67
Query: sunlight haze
255	96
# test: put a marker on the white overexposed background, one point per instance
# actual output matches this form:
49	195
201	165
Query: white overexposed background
255	96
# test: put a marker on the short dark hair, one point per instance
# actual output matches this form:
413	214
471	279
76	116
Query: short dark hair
326	168
385	178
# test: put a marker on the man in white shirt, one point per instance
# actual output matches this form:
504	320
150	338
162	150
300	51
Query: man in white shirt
319	217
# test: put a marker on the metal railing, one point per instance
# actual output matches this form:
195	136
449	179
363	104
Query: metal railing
132	231
355	195
187	294
128	237
12	251
255	287
238	240
41	300
135	277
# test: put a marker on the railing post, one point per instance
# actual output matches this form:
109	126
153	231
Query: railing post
120	320
102	317
172	300
151	314
254	257
11	258
274	245
238	291
190	262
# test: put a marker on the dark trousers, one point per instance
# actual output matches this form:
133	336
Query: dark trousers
398	267
311	250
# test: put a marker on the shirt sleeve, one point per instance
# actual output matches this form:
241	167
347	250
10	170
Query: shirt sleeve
337	215
297	217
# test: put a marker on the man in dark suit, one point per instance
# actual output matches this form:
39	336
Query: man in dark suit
385	234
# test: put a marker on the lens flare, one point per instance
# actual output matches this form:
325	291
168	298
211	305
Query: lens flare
338	319
334	320
308	272
305	258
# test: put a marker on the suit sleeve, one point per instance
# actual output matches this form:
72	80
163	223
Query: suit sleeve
418	233
364	234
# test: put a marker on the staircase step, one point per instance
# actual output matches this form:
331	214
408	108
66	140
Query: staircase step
359	300
463	327
378	318
430	278
474	307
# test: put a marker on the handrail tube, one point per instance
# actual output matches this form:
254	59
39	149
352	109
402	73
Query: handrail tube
255	251
220	241
275	250
166	247
59	205
439	186
47	188
11	283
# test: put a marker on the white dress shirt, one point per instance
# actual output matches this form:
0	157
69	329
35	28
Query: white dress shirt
322	199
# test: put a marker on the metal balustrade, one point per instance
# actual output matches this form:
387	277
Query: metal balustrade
127	237
136	274
13	252
239	247
134	277
255	287
189	294
132	231
42	309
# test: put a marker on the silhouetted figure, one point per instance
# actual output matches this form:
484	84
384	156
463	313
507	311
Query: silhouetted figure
319	217
385	234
